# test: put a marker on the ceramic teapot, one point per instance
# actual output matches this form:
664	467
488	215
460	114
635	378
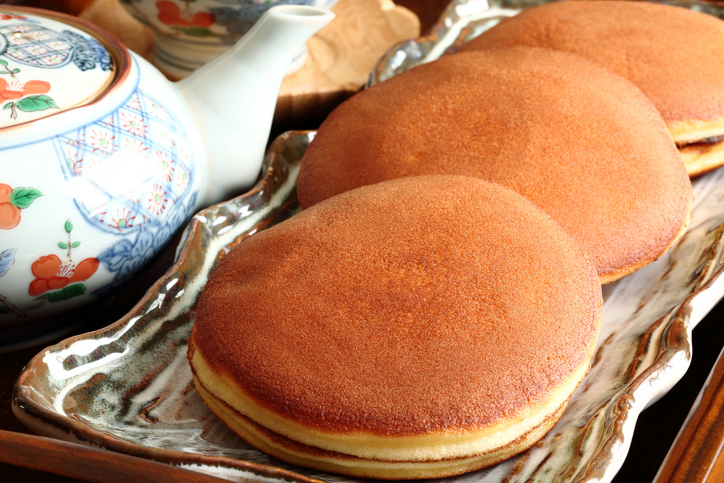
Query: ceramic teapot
102	158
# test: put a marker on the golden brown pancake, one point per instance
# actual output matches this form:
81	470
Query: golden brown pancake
673	54
420	327
582	143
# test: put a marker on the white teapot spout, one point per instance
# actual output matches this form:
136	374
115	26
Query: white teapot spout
232	99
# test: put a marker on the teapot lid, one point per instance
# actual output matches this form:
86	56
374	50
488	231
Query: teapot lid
51	62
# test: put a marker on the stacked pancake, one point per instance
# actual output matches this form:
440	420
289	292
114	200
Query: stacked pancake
674	55
419	327
582	143
436	303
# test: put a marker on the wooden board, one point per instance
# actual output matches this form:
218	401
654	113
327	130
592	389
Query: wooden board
696	455
90	464
340	56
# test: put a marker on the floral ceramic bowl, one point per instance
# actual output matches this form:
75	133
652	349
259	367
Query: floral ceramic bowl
190	33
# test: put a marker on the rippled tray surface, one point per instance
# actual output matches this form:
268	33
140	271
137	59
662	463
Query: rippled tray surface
128	387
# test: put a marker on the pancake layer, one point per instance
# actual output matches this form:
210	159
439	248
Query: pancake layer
419	327
580	142
311	457
673	54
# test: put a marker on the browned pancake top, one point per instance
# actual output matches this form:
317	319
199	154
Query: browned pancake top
419	304
580	142
674	55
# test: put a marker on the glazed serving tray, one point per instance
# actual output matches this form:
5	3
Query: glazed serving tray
128	388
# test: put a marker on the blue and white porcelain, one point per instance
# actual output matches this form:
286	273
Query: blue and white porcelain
191	33
102	158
